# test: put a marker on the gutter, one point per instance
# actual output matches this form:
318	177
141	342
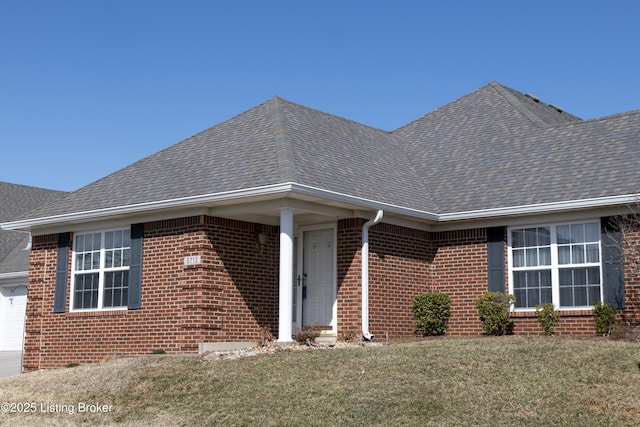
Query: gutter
540	208
292	188
14	275
365	274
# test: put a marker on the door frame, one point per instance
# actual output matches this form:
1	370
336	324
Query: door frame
334	275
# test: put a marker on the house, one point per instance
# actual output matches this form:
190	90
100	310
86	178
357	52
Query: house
15	201
284	218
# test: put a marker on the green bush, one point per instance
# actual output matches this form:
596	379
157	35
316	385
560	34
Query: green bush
605	318
431	312
493	310
548	317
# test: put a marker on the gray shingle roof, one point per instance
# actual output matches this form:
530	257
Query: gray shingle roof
14	256
492	148
275	142
498	151
17	201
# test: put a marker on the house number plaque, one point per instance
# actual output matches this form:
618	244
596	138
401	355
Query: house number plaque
192	260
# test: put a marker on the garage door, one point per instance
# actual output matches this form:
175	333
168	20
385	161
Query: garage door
13	302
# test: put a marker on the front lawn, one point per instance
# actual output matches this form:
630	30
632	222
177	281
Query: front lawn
485	381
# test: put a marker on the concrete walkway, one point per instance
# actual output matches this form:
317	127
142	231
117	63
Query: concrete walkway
10	363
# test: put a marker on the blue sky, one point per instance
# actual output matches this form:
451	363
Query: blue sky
88	87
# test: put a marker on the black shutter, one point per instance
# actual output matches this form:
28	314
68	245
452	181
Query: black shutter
612	263
135	269
60	292
495	259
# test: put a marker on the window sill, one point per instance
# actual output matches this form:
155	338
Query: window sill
98	313
563	313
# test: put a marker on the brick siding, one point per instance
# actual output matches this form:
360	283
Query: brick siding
398	270
233	294
459	269
631	314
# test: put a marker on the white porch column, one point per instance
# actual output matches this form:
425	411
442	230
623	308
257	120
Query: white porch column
286	275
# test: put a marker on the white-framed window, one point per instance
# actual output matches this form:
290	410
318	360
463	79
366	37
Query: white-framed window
100	278
557	263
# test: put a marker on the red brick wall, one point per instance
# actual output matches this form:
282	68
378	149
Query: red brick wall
398	270
231	296
631	314
572	322
459	269
349	295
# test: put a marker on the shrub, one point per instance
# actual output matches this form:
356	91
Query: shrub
493	310
306	335
431	312
548	317
605	318
266	336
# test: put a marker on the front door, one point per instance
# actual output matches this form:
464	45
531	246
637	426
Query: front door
315	280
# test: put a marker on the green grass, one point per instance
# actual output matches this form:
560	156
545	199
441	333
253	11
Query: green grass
495	381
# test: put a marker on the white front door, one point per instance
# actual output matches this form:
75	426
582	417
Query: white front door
315	280
13	303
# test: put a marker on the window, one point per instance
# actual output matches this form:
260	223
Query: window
101	270
555	263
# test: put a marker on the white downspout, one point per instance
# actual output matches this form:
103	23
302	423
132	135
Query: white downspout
365	274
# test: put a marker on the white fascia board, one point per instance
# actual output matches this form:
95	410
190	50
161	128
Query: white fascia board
300	189
360	201
541	208
14	275
269	190
148	206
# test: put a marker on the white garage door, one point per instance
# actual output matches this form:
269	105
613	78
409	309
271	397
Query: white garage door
13	302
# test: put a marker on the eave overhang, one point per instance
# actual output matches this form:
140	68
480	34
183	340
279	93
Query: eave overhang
269	192
291	190
541	208
14	275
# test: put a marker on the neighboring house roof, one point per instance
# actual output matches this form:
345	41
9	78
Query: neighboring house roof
16	201
492	149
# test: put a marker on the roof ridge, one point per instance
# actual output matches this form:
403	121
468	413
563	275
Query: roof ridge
612	116
518	104
31	187
306	107
440	108
283	148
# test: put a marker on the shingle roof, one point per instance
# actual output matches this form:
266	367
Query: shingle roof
494	147
275	142
14	256
495	151
16	201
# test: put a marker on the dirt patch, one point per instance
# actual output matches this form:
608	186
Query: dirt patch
272	347
626	333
